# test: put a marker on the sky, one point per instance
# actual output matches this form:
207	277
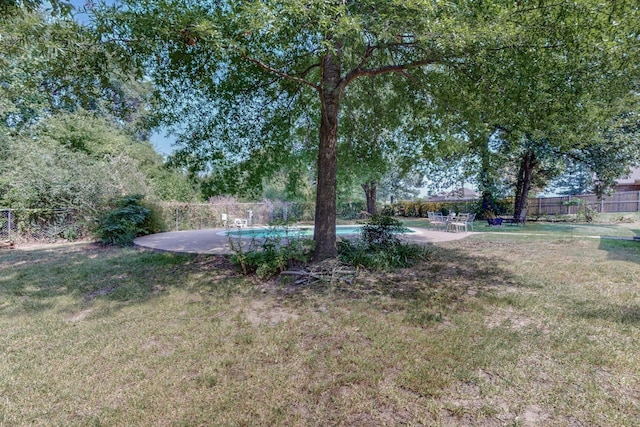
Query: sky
162	142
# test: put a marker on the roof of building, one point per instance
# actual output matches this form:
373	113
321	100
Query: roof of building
634	177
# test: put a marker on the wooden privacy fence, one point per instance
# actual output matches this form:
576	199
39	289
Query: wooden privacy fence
536	206
567	205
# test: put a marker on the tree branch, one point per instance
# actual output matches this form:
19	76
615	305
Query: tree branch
400	68
280	73
311	67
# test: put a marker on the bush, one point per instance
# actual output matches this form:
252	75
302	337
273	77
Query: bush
379	247
128	219
381	231
272	256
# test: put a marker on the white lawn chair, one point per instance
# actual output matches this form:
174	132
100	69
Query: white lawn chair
439	221
458	222
431	217
472	217
461	221
240	223
225	220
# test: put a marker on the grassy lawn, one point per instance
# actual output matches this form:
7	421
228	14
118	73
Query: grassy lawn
496	329
629	228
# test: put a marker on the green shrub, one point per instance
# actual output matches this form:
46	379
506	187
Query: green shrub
420	209
128	218
272	256
402	255
381	231
379	247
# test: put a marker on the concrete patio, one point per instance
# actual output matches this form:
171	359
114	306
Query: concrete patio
215	240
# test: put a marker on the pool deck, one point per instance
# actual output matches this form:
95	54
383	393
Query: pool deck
215	241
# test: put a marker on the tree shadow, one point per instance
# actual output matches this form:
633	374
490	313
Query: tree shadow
82	275
621	249
618	313
31	280
450	278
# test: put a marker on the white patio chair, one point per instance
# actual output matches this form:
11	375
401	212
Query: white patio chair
472	217
431	217
439	221
240	223
458	222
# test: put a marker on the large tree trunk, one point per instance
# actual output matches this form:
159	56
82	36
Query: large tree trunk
325	220
370	191
485	177
525	175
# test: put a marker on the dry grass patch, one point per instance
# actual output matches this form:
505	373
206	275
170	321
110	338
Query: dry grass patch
491	331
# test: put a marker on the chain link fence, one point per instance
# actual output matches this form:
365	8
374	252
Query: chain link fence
194	216
71	224
43	224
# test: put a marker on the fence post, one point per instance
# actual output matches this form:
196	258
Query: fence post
9	224
539	205
177	226
638	201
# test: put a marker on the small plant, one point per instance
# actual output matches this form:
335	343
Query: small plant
583	209
379	247
382	231
128	219
273	255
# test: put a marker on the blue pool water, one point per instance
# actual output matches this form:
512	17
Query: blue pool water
301	231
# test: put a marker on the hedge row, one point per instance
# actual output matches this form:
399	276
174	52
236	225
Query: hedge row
419	209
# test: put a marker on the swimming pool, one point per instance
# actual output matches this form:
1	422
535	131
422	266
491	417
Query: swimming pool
298	231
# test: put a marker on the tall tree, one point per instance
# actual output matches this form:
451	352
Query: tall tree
51	64
375	141
256	65
243	56
73	128
550	95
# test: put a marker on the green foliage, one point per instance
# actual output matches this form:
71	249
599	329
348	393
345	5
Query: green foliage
271	256
172	185
381	231
128	219
246	82
420	209
15	7
53	64
495	207
79	160
379	247
350	209
583	209
39	173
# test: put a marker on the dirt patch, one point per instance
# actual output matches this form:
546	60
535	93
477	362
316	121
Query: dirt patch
509	317
260	313
79	316
158	347
534	416
213	262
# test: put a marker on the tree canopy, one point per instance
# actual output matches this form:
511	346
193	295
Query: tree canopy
73	129
236	77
